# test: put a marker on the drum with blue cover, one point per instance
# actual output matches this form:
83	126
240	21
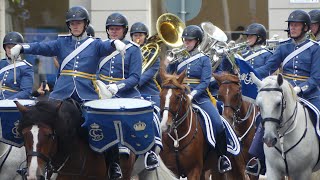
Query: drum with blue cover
9	120
126	121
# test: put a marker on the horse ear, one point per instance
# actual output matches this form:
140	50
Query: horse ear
217	77
255	80
280	79
181	76
20	107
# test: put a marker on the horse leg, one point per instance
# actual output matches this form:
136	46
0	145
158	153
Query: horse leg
126	164
306	174
194	174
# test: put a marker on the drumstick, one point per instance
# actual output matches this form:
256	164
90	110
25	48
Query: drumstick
14	72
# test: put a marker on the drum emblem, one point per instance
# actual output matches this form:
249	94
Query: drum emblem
95	132
139	126
14	130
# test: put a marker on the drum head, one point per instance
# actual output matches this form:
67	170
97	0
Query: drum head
10	103
118	103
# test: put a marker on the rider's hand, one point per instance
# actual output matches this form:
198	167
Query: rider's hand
120	46
113	88
297	89
190	97
103	91
15	51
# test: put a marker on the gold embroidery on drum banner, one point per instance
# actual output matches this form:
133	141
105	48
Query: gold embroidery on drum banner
96	132
139	126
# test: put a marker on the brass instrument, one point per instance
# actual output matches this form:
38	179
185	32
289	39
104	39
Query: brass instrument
177	54
169	30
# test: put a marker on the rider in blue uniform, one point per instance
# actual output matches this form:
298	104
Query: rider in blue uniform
256	55
315	23
198	70
121	83
299	61
24	72
78	57
148	85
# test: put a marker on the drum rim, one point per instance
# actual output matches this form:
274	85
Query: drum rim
148	104
9	104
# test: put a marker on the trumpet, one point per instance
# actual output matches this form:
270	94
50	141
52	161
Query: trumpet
232	48
177	54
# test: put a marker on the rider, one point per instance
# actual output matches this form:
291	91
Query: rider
24	73
198	73
315	23
298	58
256	55
78	57
148	85
121	83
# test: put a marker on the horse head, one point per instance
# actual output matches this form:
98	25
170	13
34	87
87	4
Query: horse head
230	94
174	102
277	101
48	129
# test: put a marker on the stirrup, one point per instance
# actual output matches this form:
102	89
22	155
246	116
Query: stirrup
250	167
112	166
150	167
219	162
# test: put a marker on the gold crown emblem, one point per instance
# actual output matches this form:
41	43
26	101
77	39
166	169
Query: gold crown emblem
94	126
139	126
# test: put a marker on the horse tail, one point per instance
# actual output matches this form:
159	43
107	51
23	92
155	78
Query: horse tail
163	172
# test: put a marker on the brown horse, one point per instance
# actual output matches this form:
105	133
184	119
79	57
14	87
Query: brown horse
185	150
240	114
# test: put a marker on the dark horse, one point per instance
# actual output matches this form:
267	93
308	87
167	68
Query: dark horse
185	150
53	143
241	116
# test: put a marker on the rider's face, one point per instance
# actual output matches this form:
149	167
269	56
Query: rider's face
77	27
139	38
295	29
7	48
314	28
190	44
116	32
251	39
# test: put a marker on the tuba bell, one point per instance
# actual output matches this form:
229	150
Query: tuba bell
169	30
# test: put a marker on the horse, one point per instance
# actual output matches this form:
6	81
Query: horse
60	147
185	150
291	144
240	114
11	159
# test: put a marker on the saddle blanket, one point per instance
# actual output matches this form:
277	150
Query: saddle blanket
233	146
137	132
315	113
9	120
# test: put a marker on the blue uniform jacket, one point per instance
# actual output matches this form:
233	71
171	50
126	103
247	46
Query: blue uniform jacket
302	70
111	72
197	69
146	83
80	71
24	77
258	60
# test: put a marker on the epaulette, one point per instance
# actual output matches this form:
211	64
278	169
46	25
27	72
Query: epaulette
64	35
134	43
29	64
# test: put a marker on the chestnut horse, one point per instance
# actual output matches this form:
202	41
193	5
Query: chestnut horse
241	116
185	149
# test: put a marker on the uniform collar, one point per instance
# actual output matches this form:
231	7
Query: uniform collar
255	48
80	38
194	52
9	61
300	41
318	37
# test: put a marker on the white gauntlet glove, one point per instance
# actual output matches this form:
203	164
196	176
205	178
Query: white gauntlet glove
297	89
15	51
113	88
190	97
120	46
103	91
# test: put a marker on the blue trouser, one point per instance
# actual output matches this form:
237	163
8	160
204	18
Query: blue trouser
220	107
212	111
256	148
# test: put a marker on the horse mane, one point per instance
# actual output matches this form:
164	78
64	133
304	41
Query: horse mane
231	77
286	87
172	79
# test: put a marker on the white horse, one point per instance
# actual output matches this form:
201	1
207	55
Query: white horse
291	145
11	159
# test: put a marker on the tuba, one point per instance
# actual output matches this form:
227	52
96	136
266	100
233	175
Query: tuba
169	30
213	39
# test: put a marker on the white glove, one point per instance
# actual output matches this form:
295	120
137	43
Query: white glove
15	51
113	88
120	46
103	91
297	89
190	97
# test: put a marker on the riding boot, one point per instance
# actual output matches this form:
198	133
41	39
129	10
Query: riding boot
114	171
151	160
224	163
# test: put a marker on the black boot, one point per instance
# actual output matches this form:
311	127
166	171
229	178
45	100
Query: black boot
151	160
224	163
255	167
112	156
